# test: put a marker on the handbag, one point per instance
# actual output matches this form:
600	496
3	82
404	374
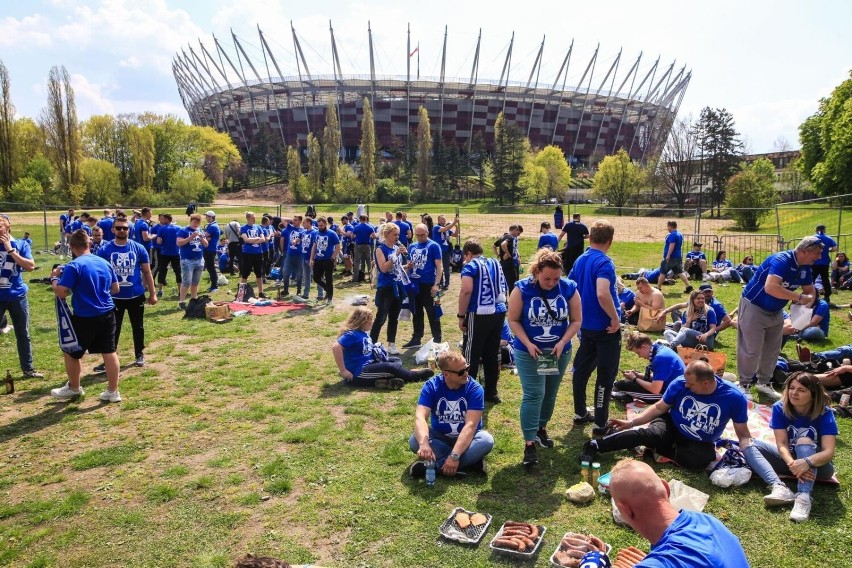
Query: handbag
648	320
717	359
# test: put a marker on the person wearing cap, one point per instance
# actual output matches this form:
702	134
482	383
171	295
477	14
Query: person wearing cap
210	254
760	328
696	262
822	266
547	238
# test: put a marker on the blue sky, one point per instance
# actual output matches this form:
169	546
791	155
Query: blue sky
767	62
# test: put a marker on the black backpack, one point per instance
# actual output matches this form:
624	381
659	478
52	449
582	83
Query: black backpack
244	293
195	307
190	209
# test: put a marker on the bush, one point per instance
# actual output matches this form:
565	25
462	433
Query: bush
190	184
25	193
388	191
145	197
103	182
349	188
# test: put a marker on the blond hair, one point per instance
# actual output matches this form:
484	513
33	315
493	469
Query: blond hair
356	320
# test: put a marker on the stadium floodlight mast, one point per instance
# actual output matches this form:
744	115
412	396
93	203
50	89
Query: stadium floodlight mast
239	95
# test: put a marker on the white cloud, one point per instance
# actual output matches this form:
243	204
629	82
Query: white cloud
131	62
91	98
24	33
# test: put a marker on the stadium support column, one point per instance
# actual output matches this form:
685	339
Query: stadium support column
208	61
240	49
507	68
443	78
566	63
633	72
653	75
407	94
649	97
665	99
372	65
537	70
591	66
474	78
301	56
222	52
608	99
266	50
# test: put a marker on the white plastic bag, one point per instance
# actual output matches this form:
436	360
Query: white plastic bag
730	476
800	316
685	497
422	355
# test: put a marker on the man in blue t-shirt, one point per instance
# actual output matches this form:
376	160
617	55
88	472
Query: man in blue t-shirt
696	262
363	234
426	273
760	328
92	281
251	260
106	225
210	254
15	258
664	366
600	332
404	229
169	252
685	539
673	257
448	421
442	234
822	266
686	423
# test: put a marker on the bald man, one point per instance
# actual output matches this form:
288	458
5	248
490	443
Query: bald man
678	538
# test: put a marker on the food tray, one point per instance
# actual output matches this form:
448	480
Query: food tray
514	553
471	535
555	564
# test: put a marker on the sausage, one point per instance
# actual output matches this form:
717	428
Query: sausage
506	543
516	531
563	559
533	532
515	524
576	543
597	543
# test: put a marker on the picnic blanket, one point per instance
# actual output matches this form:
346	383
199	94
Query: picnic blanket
273	308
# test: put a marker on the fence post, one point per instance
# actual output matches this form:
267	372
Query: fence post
44	213
839	217
777	222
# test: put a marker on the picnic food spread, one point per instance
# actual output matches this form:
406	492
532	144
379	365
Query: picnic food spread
515	536
574	546
628	557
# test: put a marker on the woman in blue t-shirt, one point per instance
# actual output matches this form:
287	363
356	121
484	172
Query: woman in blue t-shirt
358	363
544	315
805	438
391	257
547	238
723	270
840	270
698	325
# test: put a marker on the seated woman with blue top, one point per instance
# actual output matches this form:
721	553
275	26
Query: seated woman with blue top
698	325
805	439
723	270
816	329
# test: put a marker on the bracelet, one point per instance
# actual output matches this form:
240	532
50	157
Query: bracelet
461	316
54	278
810	463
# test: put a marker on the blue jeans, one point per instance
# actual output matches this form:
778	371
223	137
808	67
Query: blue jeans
601	350
292	268
747	272
771	465
19	312
191	270
688	337
814	334
844	352
442	446
539	392
307	275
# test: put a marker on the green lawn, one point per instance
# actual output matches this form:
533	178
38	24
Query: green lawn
239	437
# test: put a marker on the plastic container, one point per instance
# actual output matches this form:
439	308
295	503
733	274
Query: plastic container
471	535
526	555
603	483
555	564
430	473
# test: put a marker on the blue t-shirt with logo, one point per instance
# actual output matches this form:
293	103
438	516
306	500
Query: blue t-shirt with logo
404	227
126	262
294	242
90	278
448	406
539	323
324	243
720	265
665	364
702	322
389	277
266	231
696	540
214	232
481	290
828	243
363	233
589	267
802	426
346	234
357	350
423	256
141	228
548	240
307	242
784	266
169	246
194	249
12	286
443	239
676	238
252	232
696	255
703	417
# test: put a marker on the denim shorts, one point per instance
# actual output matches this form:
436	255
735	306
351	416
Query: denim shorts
191	270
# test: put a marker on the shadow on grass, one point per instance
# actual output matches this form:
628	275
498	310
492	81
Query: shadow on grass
54	413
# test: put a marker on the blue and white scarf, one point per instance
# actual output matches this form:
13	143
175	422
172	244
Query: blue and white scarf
492	286
67	336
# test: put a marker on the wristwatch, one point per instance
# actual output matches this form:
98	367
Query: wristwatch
461	316
455	457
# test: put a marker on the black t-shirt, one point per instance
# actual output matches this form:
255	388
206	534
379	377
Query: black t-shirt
575	233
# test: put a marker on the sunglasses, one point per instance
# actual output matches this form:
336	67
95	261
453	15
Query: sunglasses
460	373
114	228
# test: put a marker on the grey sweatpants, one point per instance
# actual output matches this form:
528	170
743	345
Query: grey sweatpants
759	337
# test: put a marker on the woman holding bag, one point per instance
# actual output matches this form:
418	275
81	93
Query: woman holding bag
544	315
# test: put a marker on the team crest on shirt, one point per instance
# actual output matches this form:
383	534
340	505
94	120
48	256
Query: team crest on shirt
540	316
367	346
452	413
124	264
418	258
700	417
795	434
322	243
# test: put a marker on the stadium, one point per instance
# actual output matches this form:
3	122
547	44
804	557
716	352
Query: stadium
606	109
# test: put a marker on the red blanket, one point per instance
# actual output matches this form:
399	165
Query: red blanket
274	308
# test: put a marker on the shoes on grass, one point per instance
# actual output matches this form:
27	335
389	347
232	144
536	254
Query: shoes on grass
33	374
780	496
393	383
65	392
530	455
801	508
542	439
140	361
110	396
100	369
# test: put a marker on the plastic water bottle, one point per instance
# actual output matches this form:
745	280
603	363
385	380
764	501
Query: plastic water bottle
430	473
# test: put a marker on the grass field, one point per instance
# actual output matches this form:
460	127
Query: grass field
240	438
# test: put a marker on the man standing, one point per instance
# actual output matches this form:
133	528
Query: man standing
92	281
64	221
169	251
678	538
404	229
508	251
600	334
482	311
364	233
106	226
212	231
760	330
97	239
16	257
251	260
132	267
575	234
822	265
426	272
232	233
442	234
673	257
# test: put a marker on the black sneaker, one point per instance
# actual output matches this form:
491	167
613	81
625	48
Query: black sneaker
420	375
493	399
389	384
418	469
100	369
530	455
478	467
411	344
585	419
542	439
589	452
601	431
688	290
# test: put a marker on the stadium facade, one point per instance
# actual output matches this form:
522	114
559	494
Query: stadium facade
608	109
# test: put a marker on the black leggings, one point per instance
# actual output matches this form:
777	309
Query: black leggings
210	267
324	276
823	271
163	268
135	308
389	305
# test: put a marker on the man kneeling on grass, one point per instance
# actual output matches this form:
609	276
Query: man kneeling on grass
448	421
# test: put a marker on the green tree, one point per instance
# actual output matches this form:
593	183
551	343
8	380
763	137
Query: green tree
826	138
751	194
331	147
440	175
424	152
29	141
722	150
314	164
190	184
552	159
618	180
680	163
25	193
140	142
510	151
7	136
62	129
477	157
368	147
534	181
294	172
103	182
40	169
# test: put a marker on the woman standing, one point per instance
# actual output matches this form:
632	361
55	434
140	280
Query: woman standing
324	253
391	256
805	438
544	315
698	325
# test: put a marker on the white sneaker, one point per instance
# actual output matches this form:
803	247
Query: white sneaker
746	392
65	392
801	508
6	329
780	495
110	396
769	392
392	350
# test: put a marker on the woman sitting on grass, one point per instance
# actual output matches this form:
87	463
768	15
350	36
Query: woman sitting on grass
840	270
362	365
805	438
723	270
698	325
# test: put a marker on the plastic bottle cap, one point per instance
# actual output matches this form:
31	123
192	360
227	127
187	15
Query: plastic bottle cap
584	464
596	465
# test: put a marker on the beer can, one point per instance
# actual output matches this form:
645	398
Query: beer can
844	400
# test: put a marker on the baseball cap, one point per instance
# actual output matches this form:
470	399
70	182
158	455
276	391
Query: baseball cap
210	214
705	286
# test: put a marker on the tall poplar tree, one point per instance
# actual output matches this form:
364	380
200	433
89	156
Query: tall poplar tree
314	163
7	124
368	147
424	151
59	120
331	146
